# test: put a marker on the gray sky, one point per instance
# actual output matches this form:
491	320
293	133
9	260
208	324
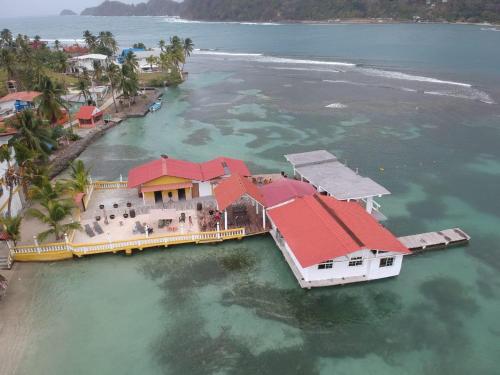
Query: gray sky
9	8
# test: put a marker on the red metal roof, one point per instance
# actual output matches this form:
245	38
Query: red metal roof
25	96
87	112
285	189
318	228
185	169
233	188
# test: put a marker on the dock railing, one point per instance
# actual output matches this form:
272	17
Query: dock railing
80	249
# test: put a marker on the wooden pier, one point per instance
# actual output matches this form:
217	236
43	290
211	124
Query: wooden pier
435	240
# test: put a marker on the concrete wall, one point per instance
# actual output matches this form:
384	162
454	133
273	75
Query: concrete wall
10	106
205	189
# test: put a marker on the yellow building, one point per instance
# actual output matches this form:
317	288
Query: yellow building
165	179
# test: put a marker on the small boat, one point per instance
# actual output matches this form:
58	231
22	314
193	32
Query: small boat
155	106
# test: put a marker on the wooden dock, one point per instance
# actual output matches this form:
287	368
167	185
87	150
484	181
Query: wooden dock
435	240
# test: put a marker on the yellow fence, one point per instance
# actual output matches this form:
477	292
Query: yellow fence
57	251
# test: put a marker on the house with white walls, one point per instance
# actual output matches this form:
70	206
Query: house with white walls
330	242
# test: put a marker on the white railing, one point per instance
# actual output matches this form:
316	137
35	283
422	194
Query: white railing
102	185
140	243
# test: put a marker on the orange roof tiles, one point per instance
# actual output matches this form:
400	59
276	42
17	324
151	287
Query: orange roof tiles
233	188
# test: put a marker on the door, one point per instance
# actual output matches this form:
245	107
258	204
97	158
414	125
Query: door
182	194
158	197
196	190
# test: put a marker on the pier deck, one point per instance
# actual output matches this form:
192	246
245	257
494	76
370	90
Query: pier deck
435	240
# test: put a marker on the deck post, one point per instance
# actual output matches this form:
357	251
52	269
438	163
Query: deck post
263	218
225	219
218	230
37	245
256	208
369	205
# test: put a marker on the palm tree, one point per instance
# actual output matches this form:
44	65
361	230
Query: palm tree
96	65
31	132
28	169
151	60
57	44
131	61
162	44
50	101
83	86
113	72
90	39
5	38
80	177
54	213
12	226
44	190
129	84
8	61
10	178
188	47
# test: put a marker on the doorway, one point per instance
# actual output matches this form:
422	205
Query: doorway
158	197
182	194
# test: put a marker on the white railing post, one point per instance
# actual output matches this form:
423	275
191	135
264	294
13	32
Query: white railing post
38	250
66	241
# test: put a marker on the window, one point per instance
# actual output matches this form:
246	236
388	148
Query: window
386	262
325	265
355	261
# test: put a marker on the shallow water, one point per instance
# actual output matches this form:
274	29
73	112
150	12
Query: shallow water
235	307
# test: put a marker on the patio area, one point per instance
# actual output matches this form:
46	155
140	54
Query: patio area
120	214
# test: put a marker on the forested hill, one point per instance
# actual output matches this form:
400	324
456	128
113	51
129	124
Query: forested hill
308	10
151	8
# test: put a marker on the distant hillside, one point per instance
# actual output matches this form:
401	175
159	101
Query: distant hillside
67	12
307	10
151	8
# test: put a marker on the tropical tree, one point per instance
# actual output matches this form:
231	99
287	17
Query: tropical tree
54	213
10	178
5	38
98	70
129	83
114	77
188	47
28	170
57	44
32	133
44	191
79	177
83	87
151	60
90	39
50	101
131	61
12	226
8	61
162	44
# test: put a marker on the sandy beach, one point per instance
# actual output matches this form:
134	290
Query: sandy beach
15	317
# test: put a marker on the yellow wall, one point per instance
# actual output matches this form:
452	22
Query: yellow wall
166	180
150	196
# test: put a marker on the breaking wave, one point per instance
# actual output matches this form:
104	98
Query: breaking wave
336	106
175	19
409	77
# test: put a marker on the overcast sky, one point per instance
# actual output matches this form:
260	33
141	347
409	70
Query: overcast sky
10	8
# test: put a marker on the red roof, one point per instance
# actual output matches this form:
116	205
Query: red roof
25	96
285	189
209	170
233	188
87	112
76	49
318	228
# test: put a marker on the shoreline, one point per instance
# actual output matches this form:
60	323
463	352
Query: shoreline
16	323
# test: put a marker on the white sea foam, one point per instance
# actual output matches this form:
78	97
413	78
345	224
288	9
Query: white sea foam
175	19
409	77
309	69
336	106
489	29
472	94
62	40
221	53
345	82
284	60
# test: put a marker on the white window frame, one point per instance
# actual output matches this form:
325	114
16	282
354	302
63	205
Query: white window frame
386	261
355	261
326	265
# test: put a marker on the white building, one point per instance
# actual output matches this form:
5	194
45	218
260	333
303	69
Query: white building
329	242
17	202
86	62
142	57
17	101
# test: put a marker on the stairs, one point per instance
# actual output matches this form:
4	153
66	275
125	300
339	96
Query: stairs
5	263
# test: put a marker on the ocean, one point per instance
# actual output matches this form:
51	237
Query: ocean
413	106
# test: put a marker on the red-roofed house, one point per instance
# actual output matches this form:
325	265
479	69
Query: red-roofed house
168	179
328	242
89	116
235	190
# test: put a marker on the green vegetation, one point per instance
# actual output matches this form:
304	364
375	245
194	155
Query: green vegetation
12	226
299	10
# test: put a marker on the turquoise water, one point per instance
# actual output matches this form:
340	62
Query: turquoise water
235	308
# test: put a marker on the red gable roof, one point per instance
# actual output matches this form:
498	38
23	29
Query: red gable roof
285	189
86	112
318	228
25	96
233	188
209	170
